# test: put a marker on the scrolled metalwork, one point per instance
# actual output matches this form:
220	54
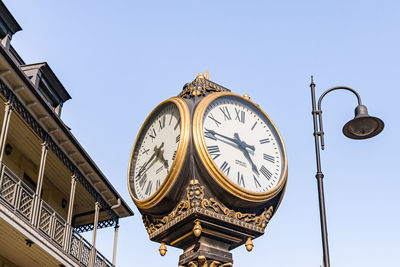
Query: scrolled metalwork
195	199
200	86
90	226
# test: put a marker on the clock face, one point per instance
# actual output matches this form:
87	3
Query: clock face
243	144
155	151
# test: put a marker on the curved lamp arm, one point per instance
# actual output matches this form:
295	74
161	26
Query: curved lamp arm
337	88
319	111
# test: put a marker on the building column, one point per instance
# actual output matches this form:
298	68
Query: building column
95	223
68	226
36	205
3	137
4	128
115	242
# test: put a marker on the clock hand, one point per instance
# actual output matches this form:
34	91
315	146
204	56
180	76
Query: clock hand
242	147
235	140
141	170
161	158
155	154
243	144
144	171
213	133
253	166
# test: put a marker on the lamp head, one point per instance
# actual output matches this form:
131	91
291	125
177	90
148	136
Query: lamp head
363	126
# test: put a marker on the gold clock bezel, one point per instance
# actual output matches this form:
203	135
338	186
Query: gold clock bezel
179	158
213	169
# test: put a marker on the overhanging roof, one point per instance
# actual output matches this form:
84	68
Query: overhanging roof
50	77
8	24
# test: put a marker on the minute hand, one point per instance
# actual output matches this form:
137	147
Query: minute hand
242	147
233	140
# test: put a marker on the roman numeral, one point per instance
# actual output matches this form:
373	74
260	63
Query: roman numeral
225	111
264	141
224	168
177	123
265	172
210	135
142	180
153	135
211	116
269	158
158	183
256	182
173	156
178	138
214	151
148	189
170	120
240	179
162	122
145	151
240	115
254	125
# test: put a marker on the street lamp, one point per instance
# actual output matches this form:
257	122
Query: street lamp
363	126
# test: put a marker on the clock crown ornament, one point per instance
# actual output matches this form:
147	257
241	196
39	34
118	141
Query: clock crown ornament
208	171
200	87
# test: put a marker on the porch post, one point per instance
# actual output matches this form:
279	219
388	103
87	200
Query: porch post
3	137
95	223
4	128
36	209
68	227
115	242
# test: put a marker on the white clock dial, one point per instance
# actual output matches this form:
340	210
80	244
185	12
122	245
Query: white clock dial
154	151
243	143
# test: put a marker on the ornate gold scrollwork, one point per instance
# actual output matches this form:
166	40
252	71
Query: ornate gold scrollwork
195	199
200	86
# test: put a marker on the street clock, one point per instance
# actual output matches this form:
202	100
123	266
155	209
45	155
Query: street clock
208	171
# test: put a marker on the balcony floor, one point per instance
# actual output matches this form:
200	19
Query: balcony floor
13	247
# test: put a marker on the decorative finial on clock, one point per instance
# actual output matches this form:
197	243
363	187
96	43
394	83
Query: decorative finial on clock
200	76
207	75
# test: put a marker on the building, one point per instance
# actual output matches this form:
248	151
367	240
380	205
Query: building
50	188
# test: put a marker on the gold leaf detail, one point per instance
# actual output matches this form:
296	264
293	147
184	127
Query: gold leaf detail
195	198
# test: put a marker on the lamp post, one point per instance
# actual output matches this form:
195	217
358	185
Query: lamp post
362	126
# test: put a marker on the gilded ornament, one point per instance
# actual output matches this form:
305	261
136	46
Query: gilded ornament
202	261
197	229
200	86
207	75
162	249
249	244
195	199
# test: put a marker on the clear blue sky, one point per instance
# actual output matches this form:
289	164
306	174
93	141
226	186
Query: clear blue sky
119	59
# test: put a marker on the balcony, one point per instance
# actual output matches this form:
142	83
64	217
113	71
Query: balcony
19	199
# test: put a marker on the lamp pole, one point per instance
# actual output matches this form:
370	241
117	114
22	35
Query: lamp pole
361	127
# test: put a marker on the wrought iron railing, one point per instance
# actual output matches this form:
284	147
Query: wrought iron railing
20	199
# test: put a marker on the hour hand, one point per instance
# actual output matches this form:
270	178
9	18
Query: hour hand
212	134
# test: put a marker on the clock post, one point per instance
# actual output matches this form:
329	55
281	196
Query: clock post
229	173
